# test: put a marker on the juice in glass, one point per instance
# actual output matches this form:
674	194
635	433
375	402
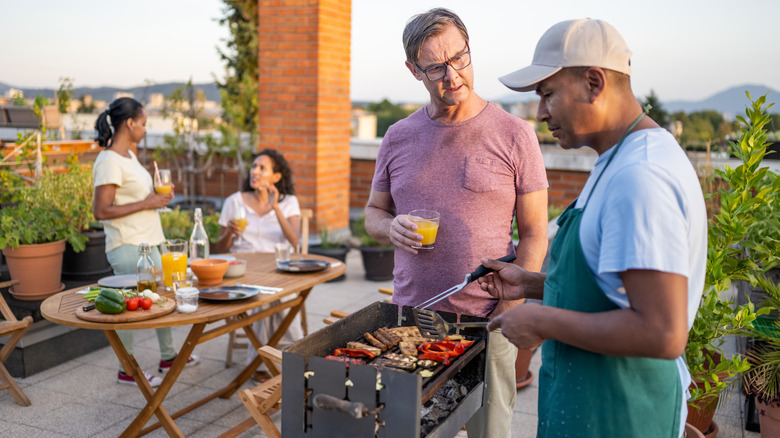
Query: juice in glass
163	190
427	222
428	231
241	224
173	262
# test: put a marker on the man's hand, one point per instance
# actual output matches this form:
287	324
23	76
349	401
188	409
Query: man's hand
518	325
508	282
403	233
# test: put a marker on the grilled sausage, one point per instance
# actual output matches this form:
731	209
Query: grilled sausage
374	341
392	337
383	338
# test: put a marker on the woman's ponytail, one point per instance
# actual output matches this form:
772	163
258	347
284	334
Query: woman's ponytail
120	110
102	129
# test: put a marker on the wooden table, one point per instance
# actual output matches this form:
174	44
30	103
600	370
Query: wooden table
261	270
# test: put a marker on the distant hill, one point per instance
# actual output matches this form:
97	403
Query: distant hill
731	102
107	93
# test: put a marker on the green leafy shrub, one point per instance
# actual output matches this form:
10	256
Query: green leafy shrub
177	224
735	251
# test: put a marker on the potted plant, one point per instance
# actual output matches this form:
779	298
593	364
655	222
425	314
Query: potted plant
378	259
762	380
733	253
331	246
73	193
34	226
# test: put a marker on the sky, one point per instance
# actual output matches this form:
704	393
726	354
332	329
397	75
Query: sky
683	50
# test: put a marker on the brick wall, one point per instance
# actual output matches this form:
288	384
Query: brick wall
304	60
361	175
565	186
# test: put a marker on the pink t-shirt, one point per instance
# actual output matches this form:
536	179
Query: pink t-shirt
471	173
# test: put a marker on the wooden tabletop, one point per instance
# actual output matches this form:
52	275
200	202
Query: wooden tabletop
261	270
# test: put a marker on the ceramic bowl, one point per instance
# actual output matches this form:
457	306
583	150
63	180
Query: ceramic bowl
236	268
209	271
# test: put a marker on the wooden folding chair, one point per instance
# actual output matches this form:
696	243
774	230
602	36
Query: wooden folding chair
302	248
16	329
335	315
264	399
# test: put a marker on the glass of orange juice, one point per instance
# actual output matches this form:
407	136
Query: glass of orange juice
174	259
163	185
427	225
239	215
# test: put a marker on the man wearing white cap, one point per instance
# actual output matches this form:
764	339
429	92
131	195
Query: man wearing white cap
627	264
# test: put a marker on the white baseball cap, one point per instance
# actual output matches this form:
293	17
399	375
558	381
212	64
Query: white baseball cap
574	43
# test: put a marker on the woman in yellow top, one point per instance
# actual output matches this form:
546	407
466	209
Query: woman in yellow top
126	204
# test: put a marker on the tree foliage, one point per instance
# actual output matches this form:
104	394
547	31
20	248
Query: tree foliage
703	127
657	111
239	88
387	113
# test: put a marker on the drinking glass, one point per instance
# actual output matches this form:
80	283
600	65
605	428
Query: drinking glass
174	259
163	184
239	215
181	279
283	250
427	224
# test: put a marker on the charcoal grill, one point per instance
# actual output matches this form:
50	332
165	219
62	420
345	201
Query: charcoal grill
384	403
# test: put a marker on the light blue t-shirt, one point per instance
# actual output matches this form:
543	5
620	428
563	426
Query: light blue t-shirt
647	212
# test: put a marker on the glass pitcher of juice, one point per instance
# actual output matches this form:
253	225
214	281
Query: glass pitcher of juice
174	259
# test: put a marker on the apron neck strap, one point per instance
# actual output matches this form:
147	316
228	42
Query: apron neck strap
612	155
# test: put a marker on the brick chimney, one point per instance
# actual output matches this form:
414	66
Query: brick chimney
304	104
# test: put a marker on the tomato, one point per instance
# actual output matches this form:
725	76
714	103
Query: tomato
132	303
146	303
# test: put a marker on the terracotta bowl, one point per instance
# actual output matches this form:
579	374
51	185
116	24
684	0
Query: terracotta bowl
236	268
209	271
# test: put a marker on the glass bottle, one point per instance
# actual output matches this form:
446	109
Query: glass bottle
199	240
145	269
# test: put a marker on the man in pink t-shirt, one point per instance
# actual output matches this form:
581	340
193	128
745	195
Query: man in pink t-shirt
478	167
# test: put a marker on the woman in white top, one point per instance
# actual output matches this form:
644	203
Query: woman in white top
126	204
273	216
272	210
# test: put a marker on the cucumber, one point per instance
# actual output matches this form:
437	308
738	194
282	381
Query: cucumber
110	301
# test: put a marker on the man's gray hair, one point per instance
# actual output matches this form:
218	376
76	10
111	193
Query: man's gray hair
427	24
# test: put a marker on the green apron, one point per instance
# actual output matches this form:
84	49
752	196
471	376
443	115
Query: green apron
585	394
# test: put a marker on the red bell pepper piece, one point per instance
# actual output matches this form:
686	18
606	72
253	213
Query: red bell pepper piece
353	352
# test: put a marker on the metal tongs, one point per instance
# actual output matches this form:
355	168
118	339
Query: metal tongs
431	324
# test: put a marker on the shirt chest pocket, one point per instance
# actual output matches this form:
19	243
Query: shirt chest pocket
480	174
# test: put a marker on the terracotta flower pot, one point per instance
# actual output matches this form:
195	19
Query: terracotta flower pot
38	269
769	418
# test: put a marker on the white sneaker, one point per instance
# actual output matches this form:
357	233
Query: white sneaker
154	381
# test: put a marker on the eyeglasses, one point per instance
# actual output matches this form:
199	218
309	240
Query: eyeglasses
438	71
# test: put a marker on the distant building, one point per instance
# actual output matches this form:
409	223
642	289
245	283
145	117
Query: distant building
13	92
156	100
119	94
363	124
524	110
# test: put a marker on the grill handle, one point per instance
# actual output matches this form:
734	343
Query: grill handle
329	403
